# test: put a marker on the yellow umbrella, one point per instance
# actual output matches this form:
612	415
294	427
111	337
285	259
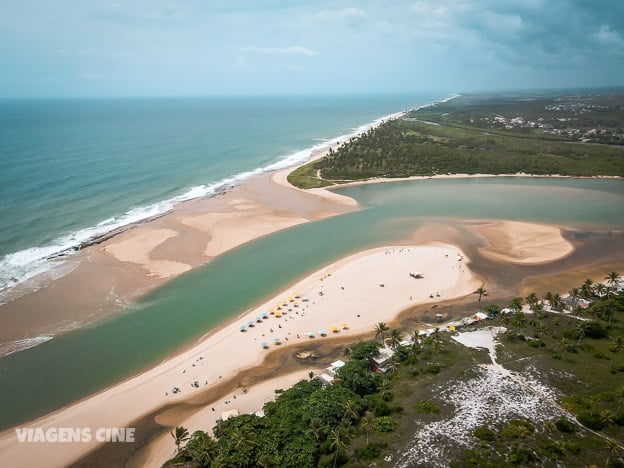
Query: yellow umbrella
290	299
334	329
344	325
278	314
297	295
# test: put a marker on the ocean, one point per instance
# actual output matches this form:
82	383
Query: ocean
73	170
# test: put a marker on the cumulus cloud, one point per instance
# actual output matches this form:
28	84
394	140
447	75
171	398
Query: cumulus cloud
607	37
279	51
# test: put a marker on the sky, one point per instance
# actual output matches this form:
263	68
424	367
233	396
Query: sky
101	48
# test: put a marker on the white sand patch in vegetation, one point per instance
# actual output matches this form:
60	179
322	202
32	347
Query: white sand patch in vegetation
492	397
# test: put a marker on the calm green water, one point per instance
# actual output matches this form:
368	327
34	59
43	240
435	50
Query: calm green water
41	379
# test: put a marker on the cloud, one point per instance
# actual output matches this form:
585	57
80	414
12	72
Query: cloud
346	13
605	36
281	51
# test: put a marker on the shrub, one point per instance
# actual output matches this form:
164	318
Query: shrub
433	369
426	406
565	425
385	424
595	330
590	420
516	427
484	433
370	452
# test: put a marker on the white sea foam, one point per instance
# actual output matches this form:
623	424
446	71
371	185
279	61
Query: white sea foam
11	347
19	267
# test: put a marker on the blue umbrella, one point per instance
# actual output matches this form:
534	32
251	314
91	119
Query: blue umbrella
250	323
322	332
265	315
243	328
258	319
265	344
277	340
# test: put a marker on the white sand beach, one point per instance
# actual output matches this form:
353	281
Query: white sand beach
351	295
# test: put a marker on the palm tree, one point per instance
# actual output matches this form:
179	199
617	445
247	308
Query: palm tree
181	435
481	292
587	289
202	448
549	297
395	338
338	442
380	329
516	304
368	424
532	300
316	429
557	302
243	441
266	461
575	293
613	279
607	417
613	448
350	411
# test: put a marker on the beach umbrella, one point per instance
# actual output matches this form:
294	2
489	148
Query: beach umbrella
250	323
243	328
345	326
305	299
265	315
277	340
296	304
335	329
310	334
277	314
265	344
322	332
297	295
258	319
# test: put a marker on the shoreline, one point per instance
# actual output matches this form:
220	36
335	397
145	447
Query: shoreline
245	202
142	394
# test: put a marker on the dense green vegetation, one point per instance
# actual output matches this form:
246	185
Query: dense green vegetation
483	135
366	416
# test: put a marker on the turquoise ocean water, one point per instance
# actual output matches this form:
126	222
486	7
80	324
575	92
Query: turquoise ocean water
71	170
89	190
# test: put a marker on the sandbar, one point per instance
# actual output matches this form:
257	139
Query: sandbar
347	297
524	243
